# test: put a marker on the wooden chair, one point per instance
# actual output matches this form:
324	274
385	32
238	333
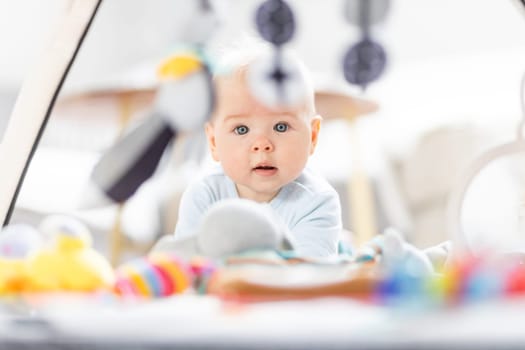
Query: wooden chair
336	105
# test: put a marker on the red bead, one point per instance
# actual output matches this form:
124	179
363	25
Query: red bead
515	281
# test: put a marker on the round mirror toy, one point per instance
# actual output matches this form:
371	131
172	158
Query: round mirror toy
486	211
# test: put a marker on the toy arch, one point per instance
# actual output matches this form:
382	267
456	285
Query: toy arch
36	99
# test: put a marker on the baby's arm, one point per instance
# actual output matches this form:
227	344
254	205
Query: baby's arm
194	203
317	233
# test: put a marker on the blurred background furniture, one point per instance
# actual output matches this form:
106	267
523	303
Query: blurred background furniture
361	206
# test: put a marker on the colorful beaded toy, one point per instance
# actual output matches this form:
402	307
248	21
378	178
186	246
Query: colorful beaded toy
161	275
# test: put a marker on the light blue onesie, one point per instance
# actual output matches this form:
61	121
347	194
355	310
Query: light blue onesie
308	206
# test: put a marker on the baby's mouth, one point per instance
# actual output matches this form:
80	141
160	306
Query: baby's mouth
265	170
264	167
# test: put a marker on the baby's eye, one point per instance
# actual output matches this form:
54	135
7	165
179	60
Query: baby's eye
241	129
280	127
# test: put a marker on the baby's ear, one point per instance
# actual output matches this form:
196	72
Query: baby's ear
210	135
315	125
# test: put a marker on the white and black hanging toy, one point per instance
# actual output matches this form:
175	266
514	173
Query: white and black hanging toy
277	80
365	61
184	101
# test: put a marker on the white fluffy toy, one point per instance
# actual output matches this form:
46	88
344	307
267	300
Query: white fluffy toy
230	227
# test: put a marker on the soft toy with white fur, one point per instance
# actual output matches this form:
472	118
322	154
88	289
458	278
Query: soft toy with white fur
230	227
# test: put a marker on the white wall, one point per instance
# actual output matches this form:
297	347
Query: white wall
459	58
449	60
25	26
127	32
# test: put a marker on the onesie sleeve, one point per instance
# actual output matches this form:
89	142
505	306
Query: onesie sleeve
194	202
317	232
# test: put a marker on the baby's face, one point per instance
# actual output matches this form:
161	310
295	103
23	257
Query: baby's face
260	149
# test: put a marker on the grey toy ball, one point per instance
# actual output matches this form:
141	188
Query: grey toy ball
275	21
364	62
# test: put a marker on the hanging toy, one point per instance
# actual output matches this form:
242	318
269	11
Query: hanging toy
184	101
277	80
365	61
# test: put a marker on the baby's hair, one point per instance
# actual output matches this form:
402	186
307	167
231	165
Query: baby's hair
238	54
234	58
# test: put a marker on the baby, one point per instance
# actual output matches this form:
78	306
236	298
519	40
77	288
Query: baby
262	152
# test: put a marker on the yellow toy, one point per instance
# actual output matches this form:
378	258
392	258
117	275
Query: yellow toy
69	263
17	242
179	66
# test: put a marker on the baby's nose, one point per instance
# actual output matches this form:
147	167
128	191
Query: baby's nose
262	144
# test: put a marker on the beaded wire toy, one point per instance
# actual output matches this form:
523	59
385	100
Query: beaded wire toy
365	61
